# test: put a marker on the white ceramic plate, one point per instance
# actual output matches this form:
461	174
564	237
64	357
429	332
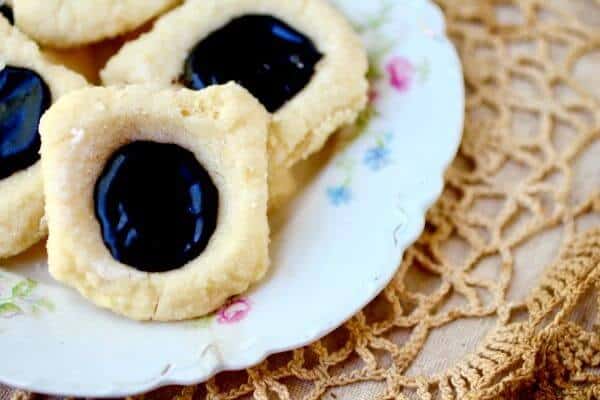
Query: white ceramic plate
339	247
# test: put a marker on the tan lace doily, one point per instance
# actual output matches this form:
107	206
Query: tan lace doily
478	308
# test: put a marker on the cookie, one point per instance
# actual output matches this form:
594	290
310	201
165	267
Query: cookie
29	83
301	59
282	187
73	23
157	199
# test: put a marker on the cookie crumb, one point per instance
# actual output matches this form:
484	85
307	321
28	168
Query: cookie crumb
77	134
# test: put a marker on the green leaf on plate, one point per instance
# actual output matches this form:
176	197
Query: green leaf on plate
203	322
9	308
45	303
24	288
374	72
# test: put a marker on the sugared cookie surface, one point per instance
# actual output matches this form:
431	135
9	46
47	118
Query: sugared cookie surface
29	84
72	23
157	199
300	59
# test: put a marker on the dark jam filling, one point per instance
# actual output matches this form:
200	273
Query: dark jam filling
24	96
157	206
261	53
7	12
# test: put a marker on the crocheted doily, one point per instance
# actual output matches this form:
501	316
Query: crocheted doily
499	298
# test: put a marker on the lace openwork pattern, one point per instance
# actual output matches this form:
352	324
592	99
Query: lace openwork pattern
509	263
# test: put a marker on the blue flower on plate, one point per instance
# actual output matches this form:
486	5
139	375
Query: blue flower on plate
377	157
339	195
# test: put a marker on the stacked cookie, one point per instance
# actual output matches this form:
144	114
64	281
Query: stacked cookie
156	187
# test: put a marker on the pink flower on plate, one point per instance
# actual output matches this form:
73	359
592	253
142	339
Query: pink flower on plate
401	72
234	311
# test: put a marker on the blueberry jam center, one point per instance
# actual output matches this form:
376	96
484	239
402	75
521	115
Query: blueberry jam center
263	54
7	12
157	206
24	96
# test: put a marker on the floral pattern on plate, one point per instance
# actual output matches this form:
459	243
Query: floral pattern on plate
234	311
385	70
18	297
